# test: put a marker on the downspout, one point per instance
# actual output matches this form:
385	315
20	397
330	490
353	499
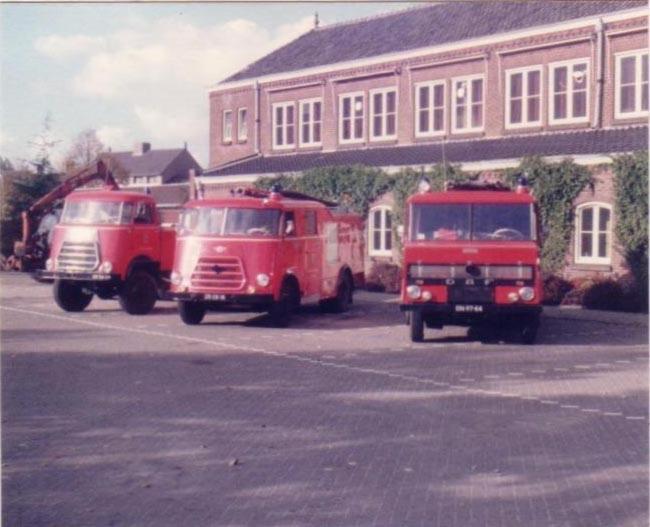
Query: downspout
597	119
258	122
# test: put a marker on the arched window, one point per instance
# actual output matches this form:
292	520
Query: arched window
380	231
593	233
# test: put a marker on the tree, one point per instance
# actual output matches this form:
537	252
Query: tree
85	149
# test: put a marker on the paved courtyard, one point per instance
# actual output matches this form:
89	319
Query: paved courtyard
113	420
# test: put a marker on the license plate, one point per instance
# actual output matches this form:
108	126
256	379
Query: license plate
215	297
468	308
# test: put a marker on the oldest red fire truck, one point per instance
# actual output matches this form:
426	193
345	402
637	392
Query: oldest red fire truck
265	251
110	243
471	257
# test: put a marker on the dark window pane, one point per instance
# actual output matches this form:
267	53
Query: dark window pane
628	70
278	136
376	220
644	68
376	240
603	219
423	121
559	79
477	90
289	114
533	109
317	109
644	96
346	129
628	94
377	104
388	240
376	126
389	220
587	219
317	133
289	134
460	116
391	98
585	245
358	128
477	115
439	95
390	125
602	245
438	120
579	76
346	107
579	104
279	115
515	111
559	103
423	96
305	133
516	85
533	82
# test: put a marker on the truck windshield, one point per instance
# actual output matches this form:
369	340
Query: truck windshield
230	222
96	212
461	221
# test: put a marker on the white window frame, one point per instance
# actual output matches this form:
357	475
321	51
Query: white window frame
525	121
284	105
352	96
242	137
381	251
594	259
638	112
454	125
416	121
384	115
310	102
551	93
226	135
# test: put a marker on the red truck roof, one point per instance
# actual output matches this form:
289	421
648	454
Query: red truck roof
254	203
472	196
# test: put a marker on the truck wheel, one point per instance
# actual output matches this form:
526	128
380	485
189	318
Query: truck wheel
282	310
416	326
529	330
191	313
70	296
139	293
343	299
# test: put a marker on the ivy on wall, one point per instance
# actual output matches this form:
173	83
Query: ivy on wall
631	209
555	186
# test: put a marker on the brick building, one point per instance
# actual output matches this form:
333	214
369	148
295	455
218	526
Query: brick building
480	84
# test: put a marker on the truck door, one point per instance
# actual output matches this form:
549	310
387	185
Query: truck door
146	232
312	254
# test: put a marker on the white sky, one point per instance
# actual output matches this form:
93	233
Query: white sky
135	72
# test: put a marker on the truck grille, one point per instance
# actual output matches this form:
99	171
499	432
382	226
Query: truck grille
78	257
466	294
218	273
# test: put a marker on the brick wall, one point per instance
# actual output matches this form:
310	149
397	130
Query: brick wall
491	61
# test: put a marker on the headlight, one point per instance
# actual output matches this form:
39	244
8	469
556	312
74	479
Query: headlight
527	293
49	264
263	280
176	278
513	297
106	267
413	291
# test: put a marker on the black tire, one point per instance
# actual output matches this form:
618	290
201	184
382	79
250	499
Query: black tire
70	296
191	313
529	330
416	327
344	296
139	293
282	311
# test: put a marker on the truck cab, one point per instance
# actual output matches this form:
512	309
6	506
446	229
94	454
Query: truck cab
110	243
265	251
472	257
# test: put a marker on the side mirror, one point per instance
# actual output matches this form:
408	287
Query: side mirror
289	228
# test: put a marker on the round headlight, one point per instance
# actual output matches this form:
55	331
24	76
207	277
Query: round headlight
527	293
176	278
49	264
106	267
263	280
413	291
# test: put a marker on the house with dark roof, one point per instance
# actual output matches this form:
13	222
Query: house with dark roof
163	173
480	84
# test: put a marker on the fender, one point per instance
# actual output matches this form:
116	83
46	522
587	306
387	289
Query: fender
143	262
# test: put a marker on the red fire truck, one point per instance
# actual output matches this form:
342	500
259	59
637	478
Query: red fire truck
265	251
110	243
471	257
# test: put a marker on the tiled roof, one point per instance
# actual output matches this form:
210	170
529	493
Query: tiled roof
610	141
432	25
151	163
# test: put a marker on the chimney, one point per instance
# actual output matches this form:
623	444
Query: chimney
141	148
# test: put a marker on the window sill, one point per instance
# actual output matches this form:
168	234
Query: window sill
577	266
242	141
226	143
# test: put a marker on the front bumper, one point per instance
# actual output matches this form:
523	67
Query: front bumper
468	311
226	299
82	277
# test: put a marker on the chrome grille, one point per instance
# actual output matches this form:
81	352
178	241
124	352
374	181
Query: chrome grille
78	257
222	273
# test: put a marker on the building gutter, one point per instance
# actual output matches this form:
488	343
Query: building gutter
600	78
258	121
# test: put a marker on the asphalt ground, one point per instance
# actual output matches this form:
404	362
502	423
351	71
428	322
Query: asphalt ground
338	420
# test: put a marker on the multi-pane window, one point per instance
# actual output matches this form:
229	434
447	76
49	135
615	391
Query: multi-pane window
383	114
632	84
429	108
593	233
380	231
351	118
523	97
467	115
569	92
284	125
226	128
242	125
310	122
